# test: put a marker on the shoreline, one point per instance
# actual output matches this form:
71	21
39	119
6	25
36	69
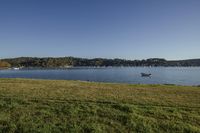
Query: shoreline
90	81
95	67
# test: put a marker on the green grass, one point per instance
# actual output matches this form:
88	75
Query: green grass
75	106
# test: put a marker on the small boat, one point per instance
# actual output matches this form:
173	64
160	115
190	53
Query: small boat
16	68
145	74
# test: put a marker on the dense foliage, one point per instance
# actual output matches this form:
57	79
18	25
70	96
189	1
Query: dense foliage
4	64
72	61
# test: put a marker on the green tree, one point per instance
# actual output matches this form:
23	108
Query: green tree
4	64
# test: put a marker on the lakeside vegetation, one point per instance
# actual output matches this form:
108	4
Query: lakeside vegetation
4	65
72	61
75	106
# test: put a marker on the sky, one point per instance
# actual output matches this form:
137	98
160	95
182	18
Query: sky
128	29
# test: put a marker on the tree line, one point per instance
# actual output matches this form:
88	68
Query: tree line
75	62
4	64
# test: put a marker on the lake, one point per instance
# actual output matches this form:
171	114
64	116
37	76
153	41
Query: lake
160	75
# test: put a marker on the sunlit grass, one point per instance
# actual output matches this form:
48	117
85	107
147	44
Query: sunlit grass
75	106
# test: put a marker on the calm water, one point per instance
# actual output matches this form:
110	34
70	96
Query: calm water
160	75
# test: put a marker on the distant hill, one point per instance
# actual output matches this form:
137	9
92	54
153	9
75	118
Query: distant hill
190	62
73	61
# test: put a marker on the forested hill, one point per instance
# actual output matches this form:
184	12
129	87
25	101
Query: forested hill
72	61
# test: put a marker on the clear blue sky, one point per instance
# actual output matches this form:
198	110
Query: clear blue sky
130	29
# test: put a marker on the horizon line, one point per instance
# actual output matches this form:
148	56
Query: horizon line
96	58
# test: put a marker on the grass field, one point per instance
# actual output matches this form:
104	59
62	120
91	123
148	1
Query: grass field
75	106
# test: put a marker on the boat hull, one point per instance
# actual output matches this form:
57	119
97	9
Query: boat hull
145	74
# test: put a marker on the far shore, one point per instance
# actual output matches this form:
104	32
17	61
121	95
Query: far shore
96	67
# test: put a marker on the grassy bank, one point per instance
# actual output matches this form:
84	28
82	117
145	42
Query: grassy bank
75	106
